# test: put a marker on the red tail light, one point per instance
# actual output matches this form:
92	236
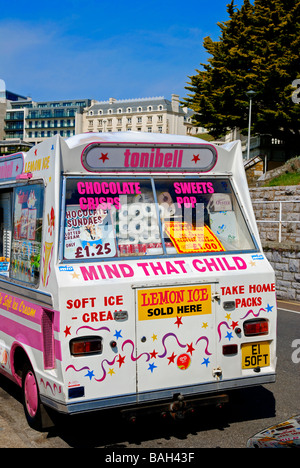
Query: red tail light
86	345
256	327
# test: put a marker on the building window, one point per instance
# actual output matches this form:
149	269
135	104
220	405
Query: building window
100	112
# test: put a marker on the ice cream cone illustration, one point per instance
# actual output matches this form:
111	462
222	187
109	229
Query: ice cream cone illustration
47	255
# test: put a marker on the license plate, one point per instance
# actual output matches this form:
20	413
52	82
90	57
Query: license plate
255	355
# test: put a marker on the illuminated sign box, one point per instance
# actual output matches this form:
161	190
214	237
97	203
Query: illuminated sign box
148	157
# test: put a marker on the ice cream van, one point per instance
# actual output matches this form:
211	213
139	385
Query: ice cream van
132	275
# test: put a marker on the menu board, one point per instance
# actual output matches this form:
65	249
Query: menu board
88	234
27	233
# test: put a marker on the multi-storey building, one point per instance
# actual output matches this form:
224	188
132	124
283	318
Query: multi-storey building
35	121
24	120
157	115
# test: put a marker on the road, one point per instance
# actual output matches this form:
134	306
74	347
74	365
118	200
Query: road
249	411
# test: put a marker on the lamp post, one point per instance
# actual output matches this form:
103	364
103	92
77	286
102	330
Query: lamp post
250	95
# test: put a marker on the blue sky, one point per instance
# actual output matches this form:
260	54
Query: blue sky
74	49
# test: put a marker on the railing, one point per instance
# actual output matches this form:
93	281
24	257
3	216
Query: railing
280	221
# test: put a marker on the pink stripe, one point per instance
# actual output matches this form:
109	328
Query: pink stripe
27	336
29	311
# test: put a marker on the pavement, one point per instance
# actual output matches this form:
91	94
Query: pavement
288	305
10	439
8	436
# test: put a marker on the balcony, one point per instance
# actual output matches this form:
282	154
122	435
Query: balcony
32	126
50	114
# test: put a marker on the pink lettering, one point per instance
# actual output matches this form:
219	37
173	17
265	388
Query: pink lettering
157	158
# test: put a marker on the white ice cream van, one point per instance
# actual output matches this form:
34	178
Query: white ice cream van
131	275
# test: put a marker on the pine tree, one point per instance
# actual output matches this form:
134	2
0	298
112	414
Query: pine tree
258	49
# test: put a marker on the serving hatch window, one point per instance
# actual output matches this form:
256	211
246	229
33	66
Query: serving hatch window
107	218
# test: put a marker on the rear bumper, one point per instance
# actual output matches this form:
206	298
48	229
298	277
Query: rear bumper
203	392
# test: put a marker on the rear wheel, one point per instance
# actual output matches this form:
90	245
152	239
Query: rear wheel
31	398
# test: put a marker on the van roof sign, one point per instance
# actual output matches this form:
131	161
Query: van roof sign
138	157
11	166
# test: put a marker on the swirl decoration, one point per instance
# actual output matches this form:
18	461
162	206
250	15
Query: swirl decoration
132	356
163	343
94	329
207	343
104	371
219	328
253	313
77	370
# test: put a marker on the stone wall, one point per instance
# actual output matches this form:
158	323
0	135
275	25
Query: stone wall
284	256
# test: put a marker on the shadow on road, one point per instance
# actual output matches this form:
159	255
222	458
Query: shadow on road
108	429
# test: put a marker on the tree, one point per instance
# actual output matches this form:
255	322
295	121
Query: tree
258	49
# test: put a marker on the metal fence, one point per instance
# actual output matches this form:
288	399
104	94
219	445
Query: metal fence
279	221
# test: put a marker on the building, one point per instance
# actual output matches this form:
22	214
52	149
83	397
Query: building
23	120
156	114
6	97
34	121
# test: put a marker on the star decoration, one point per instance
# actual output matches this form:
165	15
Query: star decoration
90	374
252	263
228	316
152	367
171	358
121	360
196	158
205	325
205	362
118	334
111	371
234	324
104	157
75	275
154	337
178	321
153	354
229	335
269	308
190	348
67	331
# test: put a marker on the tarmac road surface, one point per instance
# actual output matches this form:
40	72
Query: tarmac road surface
249	411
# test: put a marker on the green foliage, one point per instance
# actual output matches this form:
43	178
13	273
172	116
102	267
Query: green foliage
284	179
258	49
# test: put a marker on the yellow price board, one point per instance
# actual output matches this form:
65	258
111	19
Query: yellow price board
187	239
173	302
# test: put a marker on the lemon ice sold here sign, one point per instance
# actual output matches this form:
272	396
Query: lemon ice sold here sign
172	302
